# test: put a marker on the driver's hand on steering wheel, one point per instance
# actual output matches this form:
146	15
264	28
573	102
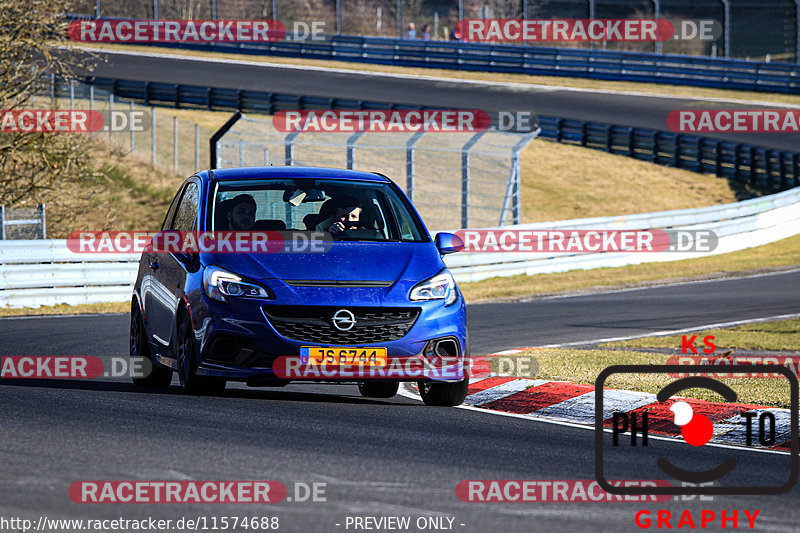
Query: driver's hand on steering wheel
336	228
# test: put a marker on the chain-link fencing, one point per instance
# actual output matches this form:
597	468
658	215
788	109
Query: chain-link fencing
456	180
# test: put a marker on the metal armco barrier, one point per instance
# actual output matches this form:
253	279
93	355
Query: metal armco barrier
46	272
739	226
648	67
741	162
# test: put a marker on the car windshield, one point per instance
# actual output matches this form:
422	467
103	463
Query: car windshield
347	209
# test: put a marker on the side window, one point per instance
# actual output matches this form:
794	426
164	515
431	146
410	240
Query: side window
171	211
187	209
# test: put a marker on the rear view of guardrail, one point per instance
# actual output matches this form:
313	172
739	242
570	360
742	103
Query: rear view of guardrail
756	165
46	272
737	226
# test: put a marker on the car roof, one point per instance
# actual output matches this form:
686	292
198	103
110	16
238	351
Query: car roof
294	172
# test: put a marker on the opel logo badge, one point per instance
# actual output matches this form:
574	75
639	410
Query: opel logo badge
344	320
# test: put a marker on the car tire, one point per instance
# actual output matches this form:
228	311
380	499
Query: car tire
371	389
443	394
190	382
152	374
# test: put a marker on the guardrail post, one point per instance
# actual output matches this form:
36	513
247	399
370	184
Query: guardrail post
43	219
266	157
465	177
400	19
97	9
410	163
72	94
699	155
351	148
288	142
130	123
175	144
514	187
338	17
559	130
110	117
2	223
153	135
241	153
584	133
631	142
726	26
609	140
797	31
656	147
657	15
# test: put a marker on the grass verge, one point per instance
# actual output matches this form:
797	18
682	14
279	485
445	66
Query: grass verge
783	335
64	309
583	366
777	255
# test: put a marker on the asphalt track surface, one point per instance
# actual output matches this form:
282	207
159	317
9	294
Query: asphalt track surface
643	111
377	458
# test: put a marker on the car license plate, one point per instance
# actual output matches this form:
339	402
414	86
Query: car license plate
336	356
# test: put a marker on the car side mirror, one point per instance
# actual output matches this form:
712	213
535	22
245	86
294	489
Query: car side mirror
448	243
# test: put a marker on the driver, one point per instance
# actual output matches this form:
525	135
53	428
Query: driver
345	215
241	213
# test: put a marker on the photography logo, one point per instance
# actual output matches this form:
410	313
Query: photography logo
701	472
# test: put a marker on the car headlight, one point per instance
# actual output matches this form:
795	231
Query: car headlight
442	286
219	284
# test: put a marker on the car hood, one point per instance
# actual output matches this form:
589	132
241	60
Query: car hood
345	261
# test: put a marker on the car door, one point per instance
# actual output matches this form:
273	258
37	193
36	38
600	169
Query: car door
152	290
170	269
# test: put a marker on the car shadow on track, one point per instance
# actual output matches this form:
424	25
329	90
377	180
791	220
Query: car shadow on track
236	393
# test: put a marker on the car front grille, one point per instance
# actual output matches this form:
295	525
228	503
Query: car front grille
315	323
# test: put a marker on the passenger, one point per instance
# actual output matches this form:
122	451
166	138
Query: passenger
241	213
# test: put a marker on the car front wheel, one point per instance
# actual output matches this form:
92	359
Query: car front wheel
190	382
443	394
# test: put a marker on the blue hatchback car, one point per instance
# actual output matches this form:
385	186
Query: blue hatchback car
375	288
